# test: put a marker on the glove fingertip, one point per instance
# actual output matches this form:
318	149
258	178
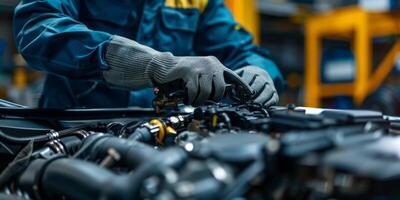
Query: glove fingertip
219	86
205	90
273	101
191	90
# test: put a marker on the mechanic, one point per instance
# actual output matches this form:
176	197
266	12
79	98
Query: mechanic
102	53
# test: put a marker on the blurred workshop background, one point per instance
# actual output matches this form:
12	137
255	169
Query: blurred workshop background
333	53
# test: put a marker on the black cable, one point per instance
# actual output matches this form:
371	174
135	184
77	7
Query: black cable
41	138
167	159
129	128
237	188
89	144
125	186
23	140
75	114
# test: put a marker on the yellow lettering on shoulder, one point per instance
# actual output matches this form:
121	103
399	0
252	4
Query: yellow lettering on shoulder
237	27
187	4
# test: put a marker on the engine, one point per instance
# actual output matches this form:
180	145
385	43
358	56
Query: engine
217	151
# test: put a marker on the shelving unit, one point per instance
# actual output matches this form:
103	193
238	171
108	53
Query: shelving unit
360	27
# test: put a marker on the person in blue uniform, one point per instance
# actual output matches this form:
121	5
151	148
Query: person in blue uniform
102	53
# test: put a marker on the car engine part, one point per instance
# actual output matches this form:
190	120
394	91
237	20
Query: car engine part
217	151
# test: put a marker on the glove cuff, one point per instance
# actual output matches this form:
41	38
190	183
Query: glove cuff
161	66
128	61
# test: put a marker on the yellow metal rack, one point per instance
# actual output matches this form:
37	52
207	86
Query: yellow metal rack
358	26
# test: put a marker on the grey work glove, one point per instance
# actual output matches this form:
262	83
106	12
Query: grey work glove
262	84
135	66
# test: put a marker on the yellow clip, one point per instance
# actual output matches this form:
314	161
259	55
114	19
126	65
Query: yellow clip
171	131
161	133
214	121
187	4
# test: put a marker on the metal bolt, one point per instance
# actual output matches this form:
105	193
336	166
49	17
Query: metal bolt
112	157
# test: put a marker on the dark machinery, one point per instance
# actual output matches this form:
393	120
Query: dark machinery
217	151
385	99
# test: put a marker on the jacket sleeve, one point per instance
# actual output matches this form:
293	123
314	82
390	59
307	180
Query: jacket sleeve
51	39
220	35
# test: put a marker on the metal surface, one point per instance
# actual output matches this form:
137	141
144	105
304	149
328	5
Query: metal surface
75	114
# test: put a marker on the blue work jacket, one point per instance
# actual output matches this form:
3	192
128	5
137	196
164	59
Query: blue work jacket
67	39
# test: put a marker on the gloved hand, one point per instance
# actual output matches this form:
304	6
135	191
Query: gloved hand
203	77
263	85
135	66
